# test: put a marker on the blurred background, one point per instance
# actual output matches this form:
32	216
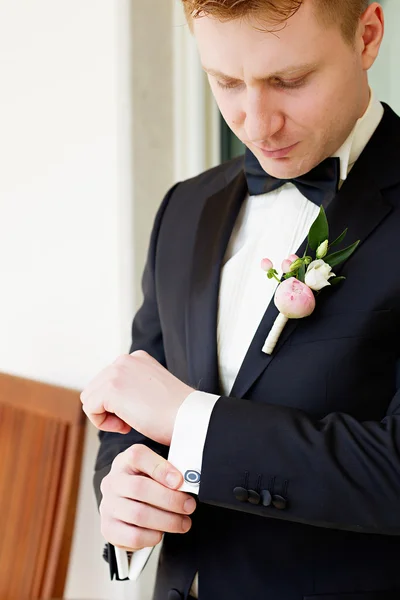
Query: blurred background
103	106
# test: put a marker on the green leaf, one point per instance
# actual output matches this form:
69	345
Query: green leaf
339	239
302	273
319	231
338	257
305	251
336	280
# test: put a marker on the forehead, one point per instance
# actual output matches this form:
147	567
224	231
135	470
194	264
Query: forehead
239	47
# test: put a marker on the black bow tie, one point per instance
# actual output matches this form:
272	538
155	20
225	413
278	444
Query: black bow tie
320	185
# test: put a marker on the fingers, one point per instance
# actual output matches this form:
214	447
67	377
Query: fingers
140	459
129	537
149	517
107	422
144	489
139	504
94	398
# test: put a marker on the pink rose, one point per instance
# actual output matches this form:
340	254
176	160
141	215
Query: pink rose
294	299
286	266
266	264
289	261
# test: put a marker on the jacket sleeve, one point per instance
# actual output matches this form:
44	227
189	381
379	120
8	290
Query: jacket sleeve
146	335
280	463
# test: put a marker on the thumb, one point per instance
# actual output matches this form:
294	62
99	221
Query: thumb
146	461
108	422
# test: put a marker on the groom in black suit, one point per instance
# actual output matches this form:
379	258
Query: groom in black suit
288	463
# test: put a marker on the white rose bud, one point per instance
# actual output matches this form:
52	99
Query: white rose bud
317	275
322	249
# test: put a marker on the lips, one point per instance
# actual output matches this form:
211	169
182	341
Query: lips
278	153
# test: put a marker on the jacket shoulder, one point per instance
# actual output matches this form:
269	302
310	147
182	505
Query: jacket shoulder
212	180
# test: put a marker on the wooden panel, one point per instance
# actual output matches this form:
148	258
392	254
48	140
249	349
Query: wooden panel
26	547
42	398
8	435
37	542
41	440
50	515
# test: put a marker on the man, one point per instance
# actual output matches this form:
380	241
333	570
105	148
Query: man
293	457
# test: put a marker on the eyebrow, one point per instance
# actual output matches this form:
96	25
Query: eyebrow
277	74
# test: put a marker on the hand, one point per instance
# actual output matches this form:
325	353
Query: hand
139	504
135	391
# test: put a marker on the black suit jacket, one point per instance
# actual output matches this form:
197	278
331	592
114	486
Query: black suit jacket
317	424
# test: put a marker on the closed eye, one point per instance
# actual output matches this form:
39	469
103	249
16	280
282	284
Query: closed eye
289	84
277	82
228	86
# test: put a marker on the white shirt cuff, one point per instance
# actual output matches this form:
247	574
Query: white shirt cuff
186	454
189	436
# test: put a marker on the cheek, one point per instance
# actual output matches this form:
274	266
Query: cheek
313	110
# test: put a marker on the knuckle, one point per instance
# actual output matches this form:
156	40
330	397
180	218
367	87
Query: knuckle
137	513
135	453
119	461
105	485
139	354
102	509
159	471
121	359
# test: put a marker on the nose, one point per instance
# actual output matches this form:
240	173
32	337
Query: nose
263	117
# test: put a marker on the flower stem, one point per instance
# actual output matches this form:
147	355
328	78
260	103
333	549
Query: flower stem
275	333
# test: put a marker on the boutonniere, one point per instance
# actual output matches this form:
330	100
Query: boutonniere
304	278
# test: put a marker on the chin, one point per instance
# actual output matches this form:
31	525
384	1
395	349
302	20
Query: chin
284	168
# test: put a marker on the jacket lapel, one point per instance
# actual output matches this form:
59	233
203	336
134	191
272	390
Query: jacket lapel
214	230
360	207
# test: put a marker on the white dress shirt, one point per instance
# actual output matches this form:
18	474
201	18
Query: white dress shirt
273	226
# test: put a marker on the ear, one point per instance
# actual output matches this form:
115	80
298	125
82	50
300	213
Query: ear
371	30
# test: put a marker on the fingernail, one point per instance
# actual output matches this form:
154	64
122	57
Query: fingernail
189	505
172	479
186	524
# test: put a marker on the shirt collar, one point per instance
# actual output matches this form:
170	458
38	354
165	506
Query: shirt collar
362	132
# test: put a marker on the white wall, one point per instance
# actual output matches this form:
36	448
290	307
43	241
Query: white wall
66	248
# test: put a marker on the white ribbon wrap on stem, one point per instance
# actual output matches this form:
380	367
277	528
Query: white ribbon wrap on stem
275	333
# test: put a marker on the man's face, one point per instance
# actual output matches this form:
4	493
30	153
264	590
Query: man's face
293	96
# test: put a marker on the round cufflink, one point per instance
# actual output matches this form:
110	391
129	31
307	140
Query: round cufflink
192	477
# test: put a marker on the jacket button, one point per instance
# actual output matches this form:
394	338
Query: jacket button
279	502
266	498
241	494
174	595
254	497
